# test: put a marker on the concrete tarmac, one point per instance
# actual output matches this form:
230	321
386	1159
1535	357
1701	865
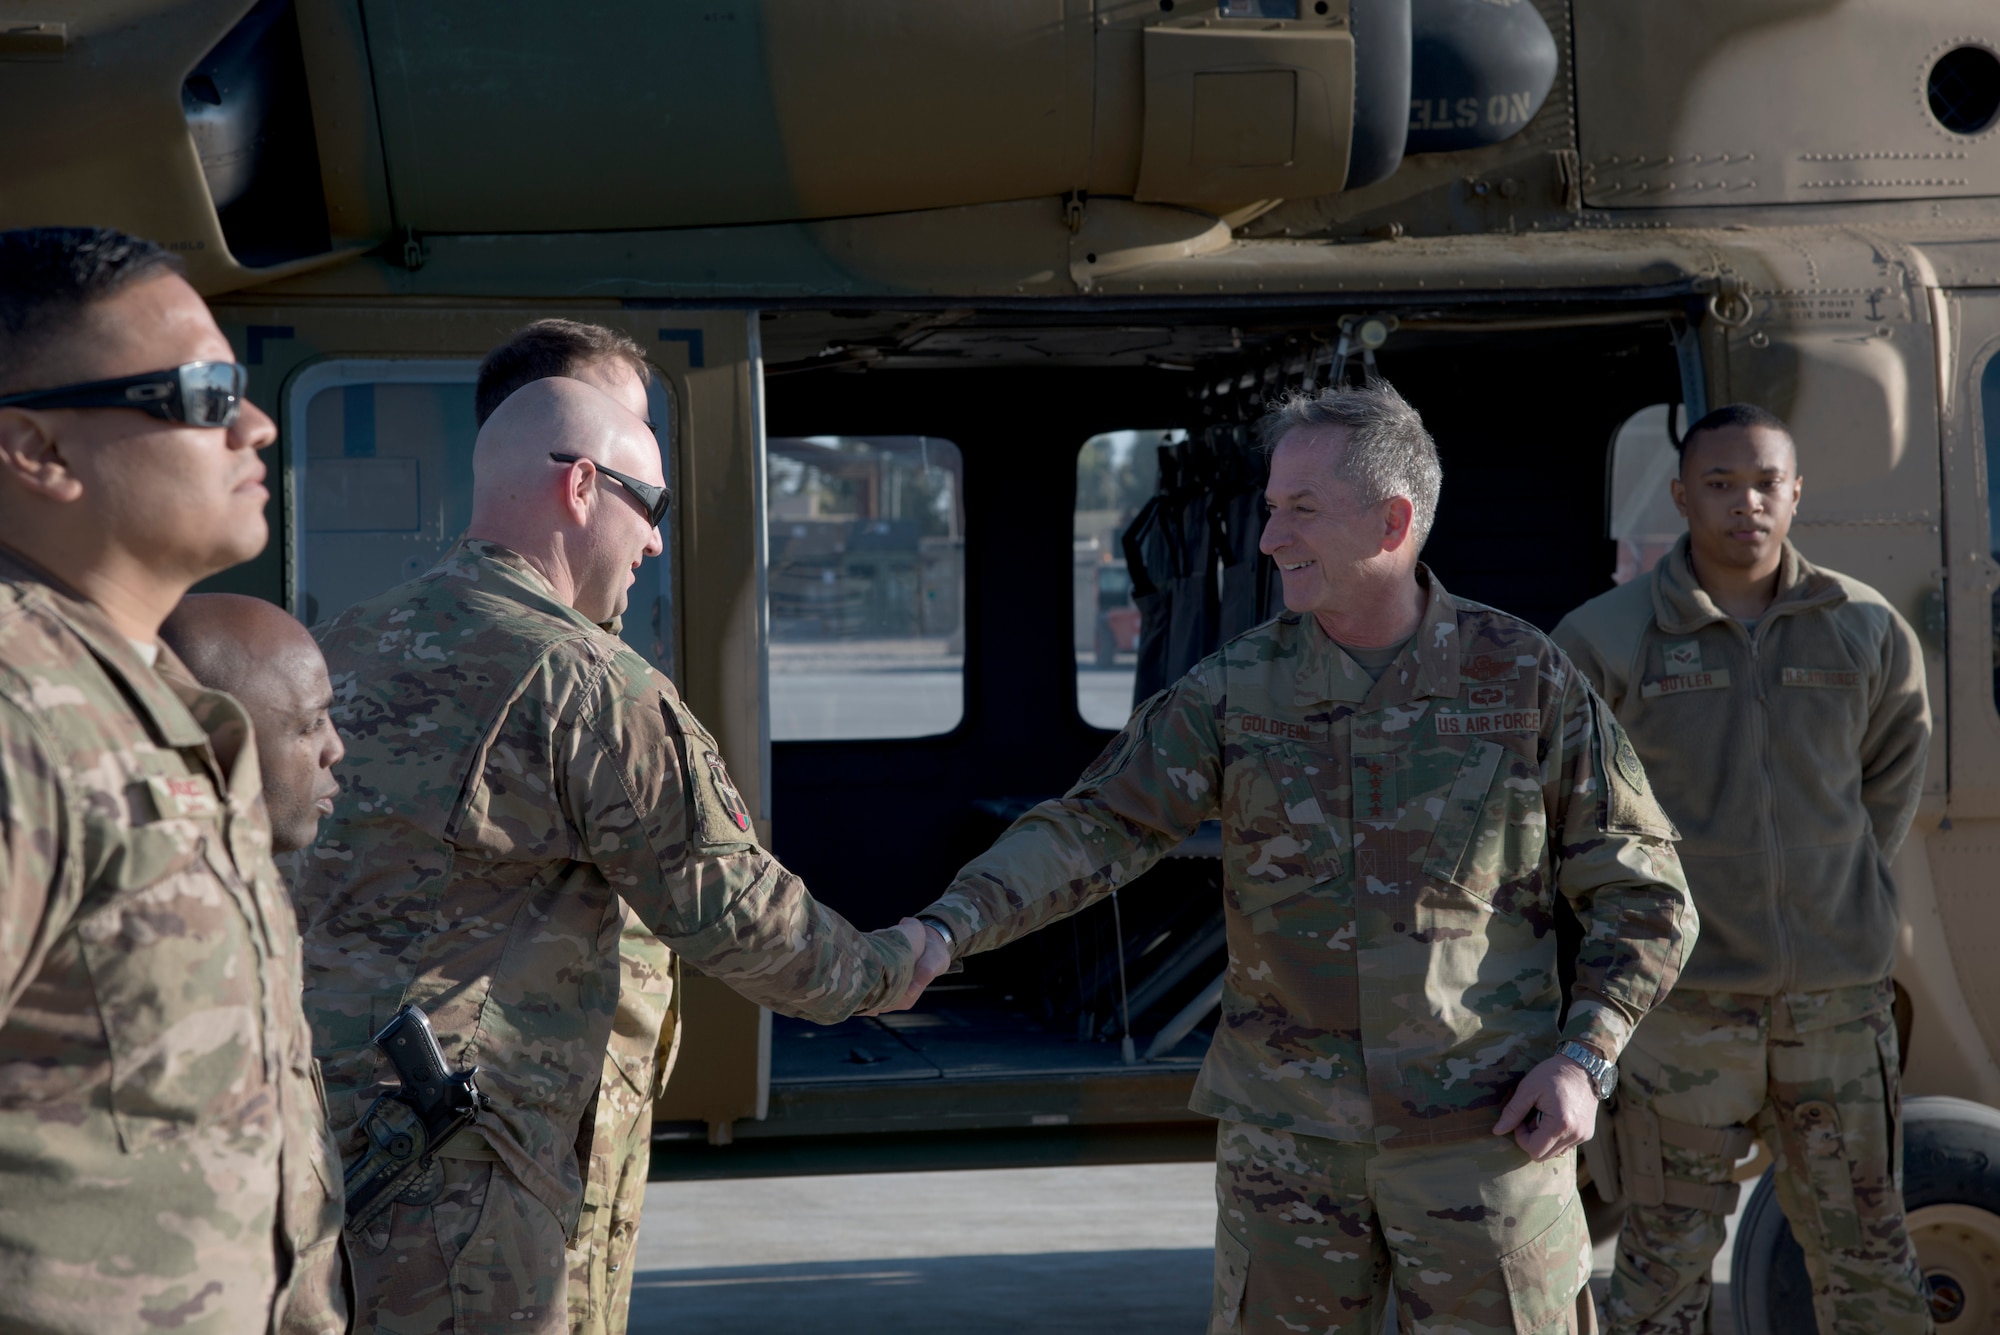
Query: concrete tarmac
1099	1248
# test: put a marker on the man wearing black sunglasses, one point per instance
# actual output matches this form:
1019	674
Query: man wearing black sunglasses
516	778
614	1138
164	1157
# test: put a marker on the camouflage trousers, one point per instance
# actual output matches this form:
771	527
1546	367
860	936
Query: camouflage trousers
485	1256
317	1301
1474	1237
614	1192
1814	1075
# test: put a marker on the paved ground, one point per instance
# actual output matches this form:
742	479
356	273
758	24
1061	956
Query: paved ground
1090	1249
1104	1248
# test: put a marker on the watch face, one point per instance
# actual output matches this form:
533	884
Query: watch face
1607	1082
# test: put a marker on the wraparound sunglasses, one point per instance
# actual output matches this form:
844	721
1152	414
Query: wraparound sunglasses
206	394
653	500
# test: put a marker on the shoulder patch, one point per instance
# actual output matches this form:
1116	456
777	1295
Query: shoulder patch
731	800
1629	804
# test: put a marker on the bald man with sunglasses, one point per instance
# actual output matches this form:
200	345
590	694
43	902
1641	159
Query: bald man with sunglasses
164	1156
614	1139
513	773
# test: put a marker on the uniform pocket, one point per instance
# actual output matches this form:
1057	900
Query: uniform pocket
1544	1276
1491	829
1232	1277
1282	842
174	968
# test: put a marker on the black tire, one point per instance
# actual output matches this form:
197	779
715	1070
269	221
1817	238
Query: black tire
1951	1158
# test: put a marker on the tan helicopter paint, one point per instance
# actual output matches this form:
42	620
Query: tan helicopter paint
1774	156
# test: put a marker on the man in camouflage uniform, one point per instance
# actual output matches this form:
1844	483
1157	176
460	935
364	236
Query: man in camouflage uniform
512	772
164	1157
1404	782
1780	710
615	1135
262	658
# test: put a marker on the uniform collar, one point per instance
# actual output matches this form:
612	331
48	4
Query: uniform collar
161	707
509	574
1681	606
1428	665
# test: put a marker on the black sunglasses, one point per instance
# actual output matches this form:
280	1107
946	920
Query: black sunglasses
653	500
197	394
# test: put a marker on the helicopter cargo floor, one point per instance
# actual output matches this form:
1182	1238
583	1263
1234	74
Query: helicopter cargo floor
951	1067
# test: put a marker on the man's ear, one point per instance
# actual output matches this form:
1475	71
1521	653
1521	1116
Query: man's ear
1398	517
1678	489
579	491
31	459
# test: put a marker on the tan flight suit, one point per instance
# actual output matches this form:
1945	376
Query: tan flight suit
1392	851
1791	755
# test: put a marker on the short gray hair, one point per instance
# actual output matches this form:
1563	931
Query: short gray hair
1388	451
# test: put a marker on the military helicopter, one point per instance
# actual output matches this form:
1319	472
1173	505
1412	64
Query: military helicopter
942	297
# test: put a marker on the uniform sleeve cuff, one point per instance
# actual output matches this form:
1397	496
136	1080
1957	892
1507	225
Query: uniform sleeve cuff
1599	1026
955	913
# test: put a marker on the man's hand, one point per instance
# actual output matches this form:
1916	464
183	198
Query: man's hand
1554	1109
932	960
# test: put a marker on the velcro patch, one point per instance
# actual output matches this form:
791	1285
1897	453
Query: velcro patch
1684	681
725	792
1682	656
1498	720
1821	677
185	797
1274	727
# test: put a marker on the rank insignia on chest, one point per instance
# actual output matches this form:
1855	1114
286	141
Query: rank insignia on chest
1682	656
1375	788
725	791
183	797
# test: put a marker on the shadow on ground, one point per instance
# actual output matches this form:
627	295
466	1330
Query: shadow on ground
1164	1291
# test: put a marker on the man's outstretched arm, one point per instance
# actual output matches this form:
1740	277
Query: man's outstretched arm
1156	781
661	818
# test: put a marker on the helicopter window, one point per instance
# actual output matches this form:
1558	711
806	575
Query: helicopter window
1116	474
867	580
1644	522
380	457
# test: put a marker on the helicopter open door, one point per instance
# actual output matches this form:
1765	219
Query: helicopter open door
373	466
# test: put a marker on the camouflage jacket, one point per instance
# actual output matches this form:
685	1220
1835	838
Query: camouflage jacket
1390	854
163	1140
511	768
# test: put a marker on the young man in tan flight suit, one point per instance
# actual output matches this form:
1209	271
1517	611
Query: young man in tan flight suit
615	1140
1779	710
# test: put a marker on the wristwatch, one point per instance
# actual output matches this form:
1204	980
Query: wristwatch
950	941
1603	1074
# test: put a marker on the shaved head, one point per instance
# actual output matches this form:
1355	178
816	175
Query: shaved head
260	654
582	529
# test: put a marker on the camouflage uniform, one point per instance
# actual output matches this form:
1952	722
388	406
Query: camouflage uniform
1391	851
164	1157
512	773
1791	754
617	1142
